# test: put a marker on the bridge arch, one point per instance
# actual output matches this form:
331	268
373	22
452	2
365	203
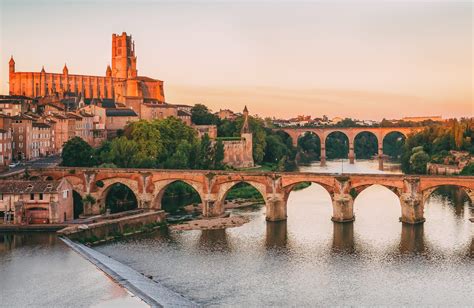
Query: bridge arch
338	145
309	144
290	187
356	190
77	204
367	149
161	186
226	187
392	142
427	192
107	185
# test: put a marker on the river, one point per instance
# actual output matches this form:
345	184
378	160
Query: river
309	260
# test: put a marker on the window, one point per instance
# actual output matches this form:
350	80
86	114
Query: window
65	194
41	196
32	196
1	196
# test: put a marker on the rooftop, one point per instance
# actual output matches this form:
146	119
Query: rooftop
21	187
120	112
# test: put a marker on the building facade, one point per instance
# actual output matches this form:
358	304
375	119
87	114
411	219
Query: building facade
36	202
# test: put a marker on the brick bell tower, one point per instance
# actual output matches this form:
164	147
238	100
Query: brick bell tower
124	61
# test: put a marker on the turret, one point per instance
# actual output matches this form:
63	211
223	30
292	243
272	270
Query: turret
65	70
108	72
247	138
11	65
42	70
245	126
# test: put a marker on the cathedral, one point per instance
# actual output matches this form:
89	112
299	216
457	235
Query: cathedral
120	83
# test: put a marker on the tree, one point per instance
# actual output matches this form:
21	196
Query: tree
418	161
275	149
206	153
468	170
219	155
201	115
77	153
123	152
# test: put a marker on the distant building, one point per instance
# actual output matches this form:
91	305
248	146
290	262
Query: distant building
36	202
336	120
118	118
41	140
421	119
5	141
13	105
226	114
300	120
22	130
210	130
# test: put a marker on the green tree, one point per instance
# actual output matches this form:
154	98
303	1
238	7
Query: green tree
201	115
77	153
123	152
275	149
206	153
418	161
468	170
219	155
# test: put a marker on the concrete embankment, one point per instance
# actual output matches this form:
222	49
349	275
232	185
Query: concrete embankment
113	228
150	291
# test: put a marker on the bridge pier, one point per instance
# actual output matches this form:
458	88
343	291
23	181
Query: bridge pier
276	209
380	159
412	209
351	154
411	201
343	208
323	154
212	208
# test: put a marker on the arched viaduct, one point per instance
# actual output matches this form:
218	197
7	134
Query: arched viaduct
351	132
148	185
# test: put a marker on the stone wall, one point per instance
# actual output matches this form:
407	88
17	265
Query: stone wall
111	228
238	153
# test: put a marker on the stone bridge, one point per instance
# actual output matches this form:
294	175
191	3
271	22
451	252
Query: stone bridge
351	133
149	185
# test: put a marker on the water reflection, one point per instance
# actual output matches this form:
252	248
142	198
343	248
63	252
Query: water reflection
276	235
11	241
343	238
214	240
412	240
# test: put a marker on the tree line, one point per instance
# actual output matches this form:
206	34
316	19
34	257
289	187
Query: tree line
167	143
434	143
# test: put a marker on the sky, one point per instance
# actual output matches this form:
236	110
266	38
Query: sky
359	59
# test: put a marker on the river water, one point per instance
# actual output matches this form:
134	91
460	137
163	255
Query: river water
39	270
309	260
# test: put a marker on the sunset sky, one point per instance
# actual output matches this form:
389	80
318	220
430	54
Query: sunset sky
361	59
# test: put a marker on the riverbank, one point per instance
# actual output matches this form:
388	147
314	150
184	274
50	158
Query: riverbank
146	288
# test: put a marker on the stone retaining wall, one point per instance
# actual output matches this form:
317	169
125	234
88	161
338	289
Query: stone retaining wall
114	227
